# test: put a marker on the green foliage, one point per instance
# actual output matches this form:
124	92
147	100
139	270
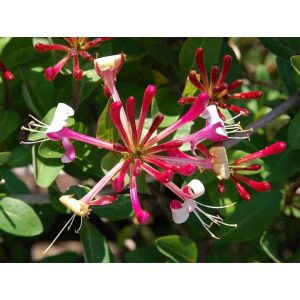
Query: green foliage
18	218
95	247
177	248
268	225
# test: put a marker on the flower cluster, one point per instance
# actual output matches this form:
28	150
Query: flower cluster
77	47
220	92
152	151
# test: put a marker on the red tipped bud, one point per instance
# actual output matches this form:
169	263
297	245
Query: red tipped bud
50	73
241	190
143	217
195	81
247	95
221	186
214	75
236	84
226	66
275	148
186	100
8	75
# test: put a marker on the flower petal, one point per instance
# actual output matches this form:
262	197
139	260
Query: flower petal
210	114
69	155
180	212
62	113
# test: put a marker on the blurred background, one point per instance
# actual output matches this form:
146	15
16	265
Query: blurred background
33	178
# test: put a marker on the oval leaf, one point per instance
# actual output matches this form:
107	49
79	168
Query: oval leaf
252	218
18	218
95	247
177	248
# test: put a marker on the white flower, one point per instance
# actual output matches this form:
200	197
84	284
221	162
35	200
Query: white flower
62	113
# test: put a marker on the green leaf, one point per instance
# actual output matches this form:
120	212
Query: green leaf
118	210
4	156
277	47
295	61
51	149
146	254
13	185
212	48
269	245
18	218
18	51
166	103
38	93
105	127
283	166
20	157
177	248
252	218
294	132
45	170
9	122
95	247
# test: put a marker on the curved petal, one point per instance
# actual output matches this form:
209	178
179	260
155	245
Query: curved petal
196	188
210	114
180	212
69	155
62	113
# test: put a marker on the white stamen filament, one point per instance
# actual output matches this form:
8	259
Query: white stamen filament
61	231
235	117
34	118
34	142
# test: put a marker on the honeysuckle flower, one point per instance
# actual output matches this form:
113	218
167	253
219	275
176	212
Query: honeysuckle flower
234	170
57	130
81	209
6	74
215	130
181	211
77	47
220	92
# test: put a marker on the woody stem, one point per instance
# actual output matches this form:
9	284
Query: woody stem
262	122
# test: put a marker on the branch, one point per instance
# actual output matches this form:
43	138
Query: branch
269	117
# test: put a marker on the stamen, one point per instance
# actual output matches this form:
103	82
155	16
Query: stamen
34	142
78	229
65	226
204	224
34	118
231	119
30	129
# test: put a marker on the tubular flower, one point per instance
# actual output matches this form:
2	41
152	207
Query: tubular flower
233	171
58	131
220	92
77	47
181	211
215	130
6	74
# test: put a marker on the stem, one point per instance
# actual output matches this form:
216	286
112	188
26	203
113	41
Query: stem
6	92
76	94
262	122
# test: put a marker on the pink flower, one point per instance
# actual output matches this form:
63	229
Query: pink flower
219	91
6	74
77	47
181	211
225	170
